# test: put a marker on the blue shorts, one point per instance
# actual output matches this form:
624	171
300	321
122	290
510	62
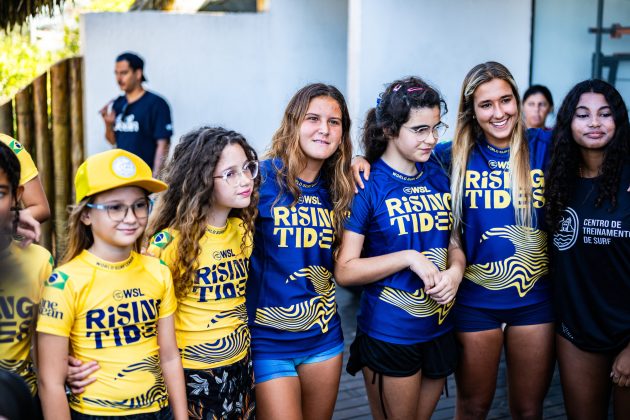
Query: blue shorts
469	319
268	369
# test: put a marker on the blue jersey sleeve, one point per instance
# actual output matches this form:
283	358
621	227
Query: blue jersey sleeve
361	211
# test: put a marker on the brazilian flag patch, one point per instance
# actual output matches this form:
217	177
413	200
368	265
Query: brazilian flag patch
51	261
16	146
161	239
58	280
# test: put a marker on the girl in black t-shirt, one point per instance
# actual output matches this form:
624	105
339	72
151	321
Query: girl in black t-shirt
588	209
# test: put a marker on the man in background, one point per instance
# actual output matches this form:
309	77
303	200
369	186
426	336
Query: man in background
138	121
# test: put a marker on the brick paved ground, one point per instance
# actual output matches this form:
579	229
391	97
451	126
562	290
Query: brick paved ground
352	402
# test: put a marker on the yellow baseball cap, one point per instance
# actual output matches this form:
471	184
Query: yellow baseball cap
112	169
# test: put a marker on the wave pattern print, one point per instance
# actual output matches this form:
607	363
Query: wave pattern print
223	349
156	393
304	315
522	270
418	304
239	312
22	368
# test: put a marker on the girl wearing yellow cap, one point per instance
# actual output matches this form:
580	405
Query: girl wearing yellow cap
107	302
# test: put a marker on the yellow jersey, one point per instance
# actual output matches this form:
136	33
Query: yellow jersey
110	312
28	170
20	290
211	321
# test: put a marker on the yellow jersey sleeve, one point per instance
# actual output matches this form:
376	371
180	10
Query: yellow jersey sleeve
28	170
18	300
169	302
57	305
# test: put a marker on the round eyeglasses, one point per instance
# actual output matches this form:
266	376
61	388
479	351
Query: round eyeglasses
232	176
117	211
423	131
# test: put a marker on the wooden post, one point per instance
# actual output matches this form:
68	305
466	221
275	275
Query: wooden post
61	150
44	151
76	114
6	118
24	116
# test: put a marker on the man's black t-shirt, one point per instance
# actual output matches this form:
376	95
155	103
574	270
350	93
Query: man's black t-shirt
590	264
140	124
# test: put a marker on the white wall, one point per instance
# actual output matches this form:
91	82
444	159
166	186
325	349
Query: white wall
240	70
563	48
235	70
437	40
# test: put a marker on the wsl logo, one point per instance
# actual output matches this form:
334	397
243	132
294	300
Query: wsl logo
498	164
416	190
566	236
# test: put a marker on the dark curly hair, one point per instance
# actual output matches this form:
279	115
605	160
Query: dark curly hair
185	205
566	158
392	111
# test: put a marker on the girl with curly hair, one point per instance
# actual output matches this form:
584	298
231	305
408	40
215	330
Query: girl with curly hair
202	229
305	195
588	210
397	245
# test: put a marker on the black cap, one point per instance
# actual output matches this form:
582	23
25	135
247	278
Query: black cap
134	60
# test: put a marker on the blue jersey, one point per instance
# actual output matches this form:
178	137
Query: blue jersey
290	293
506	264
396	212
140	124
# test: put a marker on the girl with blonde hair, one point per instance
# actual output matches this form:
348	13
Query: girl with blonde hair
497	186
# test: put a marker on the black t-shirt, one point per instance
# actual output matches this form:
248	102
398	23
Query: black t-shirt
140	124
590	264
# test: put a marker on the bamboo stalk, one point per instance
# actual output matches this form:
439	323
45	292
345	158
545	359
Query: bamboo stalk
24	116
61	150
76	113
6	118
43	147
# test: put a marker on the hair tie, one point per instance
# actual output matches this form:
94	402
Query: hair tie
398	86
415	89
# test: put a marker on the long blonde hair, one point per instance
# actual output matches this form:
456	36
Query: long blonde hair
285	146
468	130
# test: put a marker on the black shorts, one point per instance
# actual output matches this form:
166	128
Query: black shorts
225	392
611	350
436	358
